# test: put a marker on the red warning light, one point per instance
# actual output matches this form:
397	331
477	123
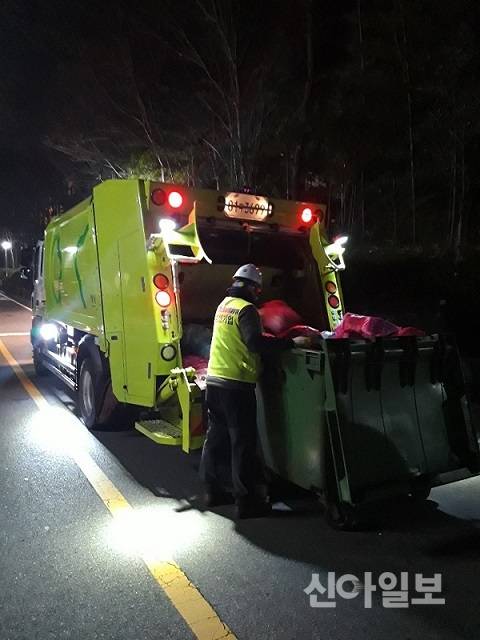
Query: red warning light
158	197
334	302
163	298
175	199
307	215
160	281
331	287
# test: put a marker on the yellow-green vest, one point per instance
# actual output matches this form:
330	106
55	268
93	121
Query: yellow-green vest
229	355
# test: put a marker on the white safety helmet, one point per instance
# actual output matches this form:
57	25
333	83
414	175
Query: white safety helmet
249	272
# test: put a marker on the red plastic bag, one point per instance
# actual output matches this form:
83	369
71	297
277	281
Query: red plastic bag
301	330
277	317
200	364
410	331
356	326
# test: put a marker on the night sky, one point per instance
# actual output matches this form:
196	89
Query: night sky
373	105
30	55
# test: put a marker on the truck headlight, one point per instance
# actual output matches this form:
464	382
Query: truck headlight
49	331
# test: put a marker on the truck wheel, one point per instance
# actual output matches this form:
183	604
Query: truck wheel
40	369
92	387
116	414
97	406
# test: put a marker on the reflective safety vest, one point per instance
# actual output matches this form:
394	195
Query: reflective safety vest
229	355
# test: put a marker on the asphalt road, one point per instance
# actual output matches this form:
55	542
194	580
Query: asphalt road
68	569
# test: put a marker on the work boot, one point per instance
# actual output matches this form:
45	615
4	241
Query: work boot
248	507
216	498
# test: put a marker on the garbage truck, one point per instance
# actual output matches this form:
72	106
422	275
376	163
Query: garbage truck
126	287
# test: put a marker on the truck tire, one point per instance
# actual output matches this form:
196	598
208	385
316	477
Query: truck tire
96	404
39	367
92	389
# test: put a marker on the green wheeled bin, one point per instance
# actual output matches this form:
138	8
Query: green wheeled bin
360	421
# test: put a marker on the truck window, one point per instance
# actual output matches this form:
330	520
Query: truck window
265	249
35	262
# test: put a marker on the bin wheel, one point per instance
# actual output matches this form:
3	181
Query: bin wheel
343	517
420	492
39	367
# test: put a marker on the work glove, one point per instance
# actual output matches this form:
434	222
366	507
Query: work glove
302	342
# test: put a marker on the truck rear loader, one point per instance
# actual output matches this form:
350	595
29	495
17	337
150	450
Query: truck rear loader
127	277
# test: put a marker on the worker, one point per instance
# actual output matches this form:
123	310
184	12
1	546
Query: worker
229	459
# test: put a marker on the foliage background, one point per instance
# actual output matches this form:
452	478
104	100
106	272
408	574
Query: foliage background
369	105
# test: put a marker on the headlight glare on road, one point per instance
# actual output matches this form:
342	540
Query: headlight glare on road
55	430
155	534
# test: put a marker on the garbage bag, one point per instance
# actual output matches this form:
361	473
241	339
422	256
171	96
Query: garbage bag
357	326
277	316
410	331
200	365
195	362
301	330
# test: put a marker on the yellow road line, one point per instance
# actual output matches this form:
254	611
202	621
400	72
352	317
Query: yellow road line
28	385
185	597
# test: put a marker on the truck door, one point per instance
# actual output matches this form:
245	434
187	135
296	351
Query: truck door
138	320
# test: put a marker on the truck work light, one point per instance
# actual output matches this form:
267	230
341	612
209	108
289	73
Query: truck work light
167	224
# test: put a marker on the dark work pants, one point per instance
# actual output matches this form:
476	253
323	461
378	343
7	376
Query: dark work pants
229	457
